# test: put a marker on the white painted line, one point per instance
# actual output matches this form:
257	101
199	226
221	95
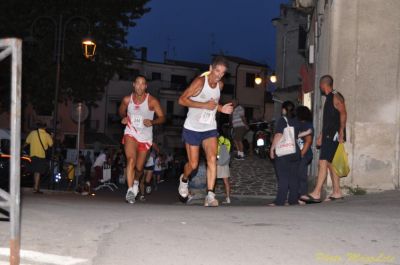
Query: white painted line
40	257
8	263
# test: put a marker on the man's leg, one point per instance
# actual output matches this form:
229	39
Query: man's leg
192	163
36	181
322	174
193	160
139	169
336	193
130	147
210	148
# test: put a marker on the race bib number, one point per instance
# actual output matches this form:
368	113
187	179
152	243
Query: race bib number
137	121
207	117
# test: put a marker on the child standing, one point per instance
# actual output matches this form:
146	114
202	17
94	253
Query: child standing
223	159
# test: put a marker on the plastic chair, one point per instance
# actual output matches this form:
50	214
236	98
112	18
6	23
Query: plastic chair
106	180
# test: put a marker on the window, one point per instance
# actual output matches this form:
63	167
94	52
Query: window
248	113
170	107
250	79
178	79
155	76
178	82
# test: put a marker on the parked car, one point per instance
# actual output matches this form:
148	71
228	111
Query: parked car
26	179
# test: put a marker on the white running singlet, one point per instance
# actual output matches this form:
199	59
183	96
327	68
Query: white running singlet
201	120
135	127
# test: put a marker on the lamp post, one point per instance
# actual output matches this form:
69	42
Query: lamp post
89	47
265	78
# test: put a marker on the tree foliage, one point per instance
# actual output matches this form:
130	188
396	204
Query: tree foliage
81	79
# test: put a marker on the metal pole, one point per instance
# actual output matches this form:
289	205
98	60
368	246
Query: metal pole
77	143
284	60
317	99
57	88
15	207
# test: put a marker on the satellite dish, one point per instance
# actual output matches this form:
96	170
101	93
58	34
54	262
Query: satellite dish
79	112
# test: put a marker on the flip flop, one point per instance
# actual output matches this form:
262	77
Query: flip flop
331	199
310	199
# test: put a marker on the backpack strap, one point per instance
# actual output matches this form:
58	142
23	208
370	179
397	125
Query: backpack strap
40	140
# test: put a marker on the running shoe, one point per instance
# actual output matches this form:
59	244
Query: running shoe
183	188
210	200
130	196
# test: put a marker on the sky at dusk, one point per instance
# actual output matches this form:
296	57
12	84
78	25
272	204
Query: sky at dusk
191	30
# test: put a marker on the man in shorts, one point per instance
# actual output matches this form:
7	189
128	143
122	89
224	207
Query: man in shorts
200	128
333	133
39	141
137	112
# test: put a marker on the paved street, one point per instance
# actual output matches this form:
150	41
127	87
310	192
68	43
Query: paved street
64	228
253	177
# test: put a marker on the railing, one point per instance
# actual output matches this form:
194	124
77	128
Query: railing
13	47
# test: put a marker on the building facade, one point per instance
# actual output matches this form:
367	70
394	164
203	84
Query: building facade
357	42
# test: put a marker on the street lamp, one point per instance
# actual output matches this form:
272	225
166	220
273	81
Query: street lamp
89	48
59	36
273	78
258	80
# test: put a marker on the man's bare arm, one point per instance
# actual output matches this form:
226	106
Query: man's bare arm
156	106
123	106
338	102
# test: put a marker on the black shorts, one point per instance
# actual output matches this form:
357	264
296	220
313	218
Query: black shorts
328	149
39	165
150	168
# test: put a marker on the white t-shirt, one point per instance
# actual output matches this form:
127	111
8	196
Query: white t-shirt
237	115
100	160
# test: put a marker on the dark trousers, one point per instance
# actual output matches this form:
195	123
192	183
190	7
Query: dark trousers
288	180
303	174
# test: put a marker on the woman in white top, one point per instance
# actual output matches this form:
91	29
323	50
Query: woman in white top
137	112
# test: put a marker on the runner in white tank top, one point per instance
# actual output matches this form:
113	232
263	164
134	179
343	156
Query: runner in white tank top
200	128
137	112
135	128
201	120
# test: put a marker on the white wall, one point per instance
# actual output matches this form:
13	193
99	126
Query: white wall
361	50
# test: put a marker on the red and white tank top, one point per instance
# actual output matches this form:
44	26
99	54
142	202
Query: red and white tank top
136	113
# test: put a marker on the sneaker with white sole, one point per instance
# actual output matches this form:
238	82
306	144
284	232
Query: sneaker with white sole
135	189
148	189
130	196
210	200
227	200
183	188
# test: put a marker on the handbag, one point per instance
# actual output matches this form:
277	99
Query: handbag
287	144
46	151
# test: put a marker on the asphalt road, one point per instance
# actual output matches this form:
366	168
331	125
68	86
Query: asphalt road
68	229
